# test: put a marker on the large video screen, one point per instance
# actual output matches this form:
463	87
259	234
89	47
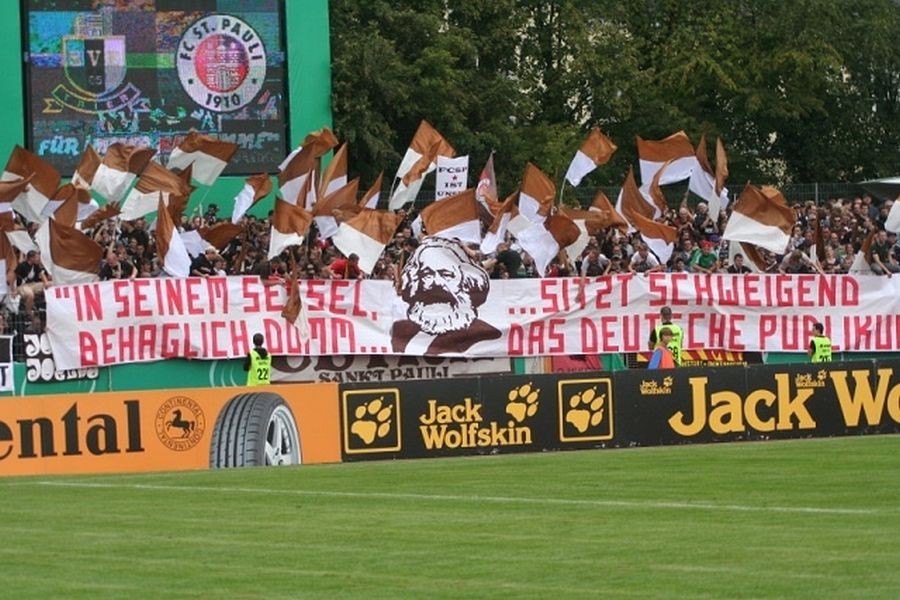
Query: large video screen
146	72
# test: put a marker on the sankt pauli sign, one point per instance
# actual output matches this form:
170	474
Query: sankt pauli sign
627	408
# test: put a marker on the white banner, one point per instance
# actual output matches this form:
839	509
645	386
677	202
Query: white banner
115	322
452	176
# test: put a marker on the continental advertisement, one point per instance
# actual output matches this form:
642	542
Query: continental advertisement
623	409
170	430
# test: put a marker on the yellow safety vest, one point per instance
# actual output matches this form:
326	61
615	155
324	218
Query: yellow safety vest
675	344
821	349
260	369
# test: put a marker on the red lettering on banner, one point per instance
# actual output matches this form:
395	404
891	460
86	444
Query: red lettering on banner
120	297
217	291
604	288
171	302
727	291
337	297
735	333
607	333
804	291
357	304
126	345
139	298
703	289
624	281
315	296
251	290
273	298
194	286
751	291
88	302
767	327
589	342
240	340
87	349
555	293
147	343
217	332
538	337
659	288
881	332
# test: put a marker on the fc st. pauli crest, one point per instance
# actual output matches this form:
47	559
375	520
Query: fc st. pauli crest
95	68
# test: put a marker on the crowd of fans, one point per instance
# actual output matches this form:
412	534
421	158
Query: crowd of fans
844	225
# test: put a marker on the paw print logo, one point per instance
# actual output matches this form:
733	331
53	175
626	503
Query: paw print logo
371	420
668	381
585	410
523	402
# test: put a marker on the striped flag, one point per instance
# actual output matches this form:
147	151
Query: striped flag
342	200
87	168
427	143
676	148
206	154
334	176
43	183
496	232
596	150
366	235
68	255
256	187
760	218
659	237
173	256
373	195
543	241
455	217
144	198
302	166
709	184
119	168
290	224
537	194
602	205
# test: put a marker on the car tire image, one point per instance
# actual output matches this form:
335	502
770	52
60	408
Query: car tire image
255	429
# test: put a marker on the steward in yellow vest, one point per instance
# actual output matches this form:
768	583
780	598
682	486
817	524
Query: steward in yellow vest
258	363
820	345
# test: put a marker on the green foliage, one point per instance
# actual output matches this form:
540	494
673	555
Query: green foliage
799	91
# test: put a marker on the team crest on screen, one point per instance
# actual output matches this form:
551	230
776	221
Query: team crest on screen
95	68
221	62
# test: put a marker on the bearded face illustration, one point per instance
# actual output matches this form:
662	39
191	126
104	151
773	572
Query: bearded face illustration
443	288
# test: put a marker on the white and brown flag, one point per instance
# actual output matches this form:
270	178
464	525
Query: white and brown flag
596	150
208	156
302	166
420	159
44	181
759	217
256	187
455	217
707	183
366	235
68	255
337	206
537	194
334	176
544	241
119	168
173	256
676	148
290	224
659	237
496	231
144	197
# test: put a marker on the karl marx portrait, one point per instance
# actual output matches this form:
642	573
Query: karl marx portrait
443	288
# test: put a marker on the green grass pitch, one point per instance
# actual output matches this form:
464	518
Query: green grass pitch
817	518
